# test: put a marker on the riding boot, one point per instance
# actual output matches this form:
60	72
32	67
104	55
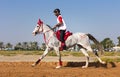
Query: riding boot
63	45
61	49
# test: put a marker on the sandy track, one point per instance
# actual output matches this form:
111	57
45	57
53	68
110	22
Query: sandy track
69	69
20	66
32	58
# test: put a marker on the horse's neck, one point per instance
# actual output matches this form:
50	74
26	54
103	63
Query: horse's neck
47	31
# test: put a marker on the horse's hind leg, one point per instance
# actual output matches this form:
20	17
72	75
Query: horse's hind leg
87	56
97	56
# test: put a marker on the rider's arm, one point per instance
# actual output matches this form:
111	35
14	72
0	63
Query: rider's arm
60	22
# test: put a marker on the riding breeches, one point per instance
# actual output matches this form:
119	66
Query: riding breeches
62	33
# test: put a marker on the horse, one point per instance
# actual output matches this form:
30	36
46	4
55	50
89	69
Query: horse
51	41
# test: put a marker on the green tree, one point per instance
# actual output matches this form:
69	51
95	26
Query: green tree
1	45
118	41
33	45
9	46
43	46
25	45
107	43
18	46
93	46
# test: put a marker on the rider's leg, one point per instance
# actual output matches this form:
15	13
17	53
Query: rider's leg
62	34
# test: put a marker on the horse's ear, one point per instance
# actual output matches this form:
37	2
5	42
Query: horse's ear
39	22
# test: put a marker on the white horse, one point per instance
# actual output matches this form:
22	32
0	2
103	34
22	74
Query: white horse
80	39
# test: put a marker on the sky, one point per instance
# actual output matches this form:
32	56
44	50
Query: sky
18	18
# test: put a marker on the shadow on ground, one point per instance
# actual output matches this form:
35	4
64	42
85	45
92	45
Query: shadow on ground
91	64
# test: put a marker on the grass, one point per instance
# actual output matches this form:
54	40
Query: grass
110	59
77	54
52	53
14	53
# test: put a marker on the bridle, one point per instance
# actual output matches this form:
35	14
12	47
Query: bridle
39	28
42	31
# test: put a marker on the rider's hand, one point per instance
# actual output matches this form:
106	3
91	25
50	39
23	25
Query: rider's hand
54	28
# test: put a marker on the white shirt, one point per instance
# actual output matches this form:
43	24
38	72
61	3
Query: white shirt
63	26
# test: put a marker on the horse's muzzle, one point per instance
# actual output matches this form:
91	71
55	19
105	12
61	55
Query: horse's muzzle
34	33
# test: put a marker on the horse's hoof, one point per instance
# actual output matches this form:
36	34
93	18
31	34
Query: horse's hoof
33	65
58	67
84	66
103	62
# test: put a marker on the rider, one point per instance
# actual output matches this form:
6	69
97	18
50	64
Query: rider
61	27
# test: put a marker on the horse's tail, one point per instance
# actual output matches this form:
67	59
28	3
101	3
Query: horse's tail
99	46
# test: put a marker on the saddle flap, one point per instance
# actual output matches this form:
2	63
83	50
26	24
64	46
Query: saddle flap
67	34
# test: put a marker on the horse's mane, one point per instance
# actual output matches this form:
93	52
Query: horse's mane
49	26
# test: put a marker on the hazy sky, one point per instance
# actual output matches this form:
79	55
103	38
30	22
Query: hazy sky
101	18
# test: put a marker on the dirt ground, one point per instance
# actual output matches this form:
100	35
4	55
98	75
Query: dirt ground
69	69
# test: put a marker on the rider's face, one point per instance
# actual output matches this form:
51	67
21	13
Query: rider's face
56	14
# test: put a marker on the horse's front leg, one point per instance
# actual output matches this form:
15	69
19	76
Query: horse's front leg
44	54
59	57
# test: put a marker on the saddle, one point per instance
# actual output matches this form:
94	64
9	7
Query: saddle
67	34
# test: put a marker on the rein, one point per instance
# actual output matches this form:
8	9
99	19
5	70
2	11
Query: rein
46	40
